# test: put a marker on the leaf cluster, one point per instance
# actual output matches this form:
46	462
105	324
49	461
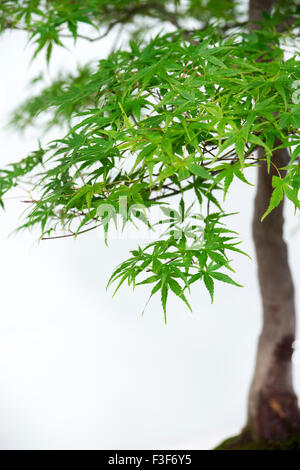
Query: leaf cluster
178	115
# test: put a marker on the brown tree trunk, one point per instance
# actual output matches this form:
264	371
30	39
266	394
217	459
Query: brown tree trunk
272	407
273	412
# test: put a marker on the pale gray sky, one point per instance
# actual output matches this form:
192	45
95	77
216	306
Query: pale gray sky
79	369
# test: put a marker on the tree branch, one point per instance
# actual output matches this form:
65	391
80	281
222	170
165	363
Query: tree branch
127	15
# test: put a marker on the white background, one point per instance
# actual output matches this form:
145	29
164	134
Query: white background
80	370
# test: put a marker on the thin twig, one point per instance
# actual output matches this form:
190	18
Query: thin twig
72	234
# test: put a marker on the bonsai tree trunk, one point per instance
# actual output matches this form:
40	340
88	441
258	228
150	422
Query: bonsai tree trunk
273	412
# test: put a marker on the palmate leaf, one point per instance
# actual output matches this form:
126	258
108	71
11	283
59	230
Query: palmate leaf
12	176
175	265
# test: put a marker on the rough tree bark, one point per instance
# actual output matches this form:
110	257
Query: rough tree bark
273	412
